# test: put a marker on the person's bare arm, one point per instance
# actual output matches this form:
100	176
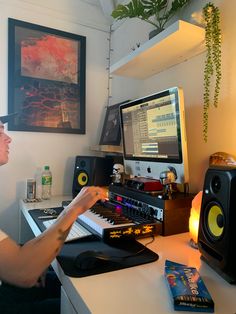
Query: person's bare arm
22	265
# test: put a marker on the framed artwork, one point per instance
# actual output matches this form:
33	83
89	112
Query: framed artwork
46	79
111	133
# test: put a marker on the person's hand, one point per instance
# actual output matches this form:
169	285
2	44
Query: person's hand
88	196
41	281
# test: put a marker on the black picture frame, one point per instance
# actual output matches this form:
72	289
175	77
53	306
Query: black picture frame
111	132
46	79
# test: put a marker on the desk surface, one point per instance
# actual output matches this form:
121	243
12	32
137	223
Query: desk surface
140	289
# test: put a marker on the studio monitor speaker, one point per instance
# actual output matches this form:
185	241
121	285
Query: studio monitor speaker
217	227
91	170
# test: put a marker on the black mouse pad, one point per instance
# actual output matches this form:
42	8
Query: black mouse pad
124	254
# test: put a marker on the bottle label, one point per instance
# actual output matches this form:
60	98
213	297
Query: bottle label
46	180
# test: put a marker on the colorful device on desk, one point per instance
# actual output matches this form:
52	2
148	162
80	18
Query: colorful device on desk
107	221
187	288
113	222
171	216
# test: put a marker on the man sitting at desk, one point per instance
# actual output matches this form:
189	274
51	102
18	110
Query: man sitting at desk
22	266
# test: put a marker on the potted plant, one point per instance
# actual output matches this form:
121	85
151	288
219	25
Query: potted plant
154	12
212	70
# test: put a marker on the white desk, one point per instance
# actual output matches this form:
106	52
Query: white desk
140	289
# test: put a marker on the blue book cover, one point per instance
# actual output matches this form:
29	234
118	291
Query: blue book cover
187	288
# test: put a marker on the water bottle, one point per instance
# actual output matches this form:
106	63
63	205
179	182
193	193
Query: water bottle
46	183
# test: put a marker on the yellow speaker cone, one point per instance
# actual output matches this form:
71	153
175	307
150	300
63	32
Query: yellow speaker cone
215	221
82	178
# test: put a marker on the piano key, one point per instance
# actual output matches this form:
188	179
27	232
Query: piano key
97	223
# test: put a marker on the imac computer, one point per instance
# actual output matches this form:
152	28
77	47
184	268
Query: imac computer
153	133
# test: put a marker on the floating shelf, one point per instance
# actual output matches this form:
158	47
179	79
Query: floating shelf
177	43
107	149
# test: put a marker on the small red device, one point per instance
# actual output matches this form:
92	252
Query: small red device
144	184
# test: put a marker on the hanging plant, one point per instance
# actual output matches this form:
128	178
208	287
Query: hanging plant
212	70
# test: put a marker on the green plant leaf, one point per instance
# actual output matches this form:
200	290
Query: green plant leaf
133	9
154	6
146	9
176	4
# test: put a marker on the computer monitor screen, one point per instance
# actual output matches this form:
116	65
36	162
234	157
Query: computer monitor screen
153	132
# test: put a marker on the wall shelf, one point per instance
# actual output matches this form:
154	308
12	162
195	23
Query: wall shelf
107	149
177	43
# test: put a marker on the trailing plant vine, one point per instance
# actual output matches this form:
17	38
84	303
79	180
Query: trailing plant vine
211	15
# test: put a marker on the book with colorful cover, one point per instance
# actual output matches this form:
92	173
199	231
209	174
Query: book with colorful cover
187	288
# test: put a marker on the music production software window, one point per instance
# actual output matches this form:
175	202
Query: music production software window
151	129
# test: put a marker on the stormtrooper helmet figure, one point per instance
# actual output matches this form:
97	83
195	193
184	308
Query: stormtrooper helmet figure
118	168
117	176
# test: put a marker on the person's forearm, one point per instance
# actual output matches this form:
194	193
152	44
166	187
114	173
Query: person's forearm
36	255
23	265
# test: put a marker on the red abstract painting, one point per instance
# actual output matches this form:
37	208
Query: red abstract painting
50	57
46	79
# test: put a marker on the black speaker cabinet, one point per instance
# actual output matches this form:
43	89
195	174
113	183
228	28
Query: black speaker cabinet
217	227
91	170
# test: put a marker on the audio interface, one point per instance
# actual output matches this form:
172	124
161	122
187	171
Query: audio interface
173	214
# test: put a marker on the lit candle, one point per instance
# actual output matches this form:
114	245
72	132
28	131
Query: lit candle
194	219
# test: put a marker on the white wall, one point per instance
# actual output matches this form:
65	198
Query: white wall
30	151
189	75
